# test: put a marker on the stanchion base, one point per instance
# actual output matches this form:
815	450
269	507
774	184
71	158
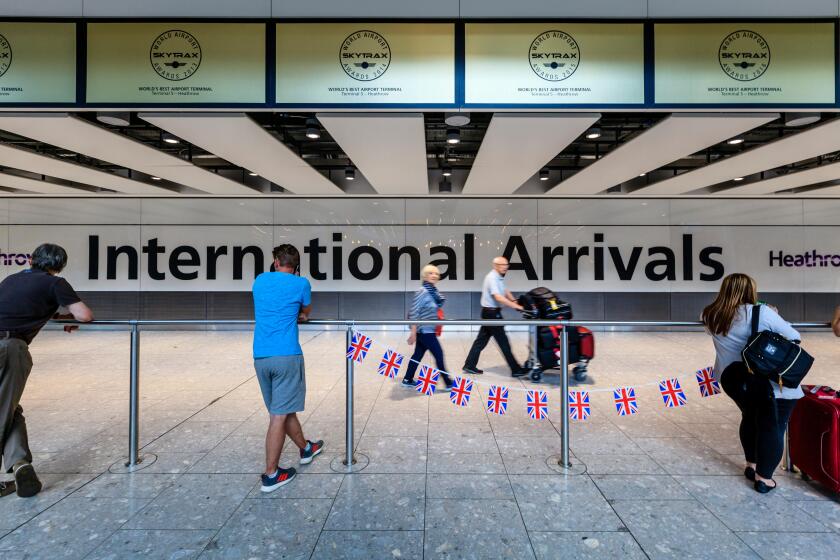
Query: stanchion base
143	461
576	467
360	462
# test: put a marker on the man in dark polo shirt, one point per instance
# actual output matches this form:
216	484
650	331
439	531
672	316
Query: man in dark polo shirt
28	299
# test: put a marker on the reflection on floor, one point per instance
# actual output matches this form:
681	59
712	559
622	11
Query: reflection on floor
442	482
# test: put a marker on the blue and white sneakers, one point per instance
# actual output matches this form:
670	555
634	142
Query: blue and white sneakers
312	449
281	477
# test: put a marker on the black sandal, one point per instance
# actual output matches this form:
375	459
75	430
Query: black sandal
763	488
749	472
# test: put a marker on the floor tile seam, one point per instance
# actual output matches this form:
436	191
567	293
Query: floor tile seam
52	505
329	511
217	399
610	504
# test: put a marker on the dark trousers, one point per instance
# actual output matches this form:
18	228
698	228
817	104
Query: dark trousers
764	418
426	341
15	365
484	335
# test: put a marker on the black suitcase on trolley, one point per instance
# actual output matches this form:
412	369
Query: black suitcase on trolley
544	304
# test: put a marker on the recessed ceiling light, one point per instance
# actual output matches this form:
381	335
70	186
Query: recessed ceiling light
453	136
350	174
593	133
738	179
313	132
170	139
122	118
801	119
66	154
457	119
252	174
642	174
544	174
153	178
733	141
446	171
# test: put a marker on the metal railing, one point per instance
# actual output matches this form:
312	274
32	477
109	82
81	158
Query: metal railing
134	458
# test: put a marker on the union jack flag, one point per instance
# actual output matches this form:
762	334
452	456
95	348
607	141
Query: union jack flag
497	400
625	401
537	402
709	386
579	408
427	380
359	347
390	364
460	392
672	393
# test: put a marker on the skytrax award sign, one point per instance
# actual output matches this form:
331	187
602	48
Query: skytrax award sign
37	62
365	63
554	63
176	63
744	63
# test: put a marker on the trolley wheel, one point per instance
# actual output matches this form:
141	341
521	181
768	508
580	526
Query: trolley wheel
536	375
580	373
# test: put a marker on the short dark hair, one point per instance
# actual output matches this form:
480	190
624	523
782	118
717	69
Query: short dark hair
287	255
49	258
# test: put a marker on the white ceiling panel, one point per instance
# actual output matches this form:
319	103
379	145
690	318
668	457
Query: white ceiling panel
822	174
517	145
35	186
788	149
388	148
81	136
236	138
674	137
19	158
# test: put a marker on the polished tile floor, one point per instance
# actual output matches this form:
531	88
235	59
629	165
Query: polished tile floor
441	482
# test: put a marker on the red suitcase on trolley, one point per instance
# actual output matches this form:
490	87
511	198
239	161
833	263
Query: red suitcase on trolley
814	432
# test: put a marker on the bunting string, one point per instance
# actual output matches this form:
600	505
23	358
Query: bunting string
498	396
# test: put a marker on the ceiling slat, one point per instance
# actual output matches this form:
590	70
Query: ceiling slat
78	135
235	137
35	185
517	145
676	136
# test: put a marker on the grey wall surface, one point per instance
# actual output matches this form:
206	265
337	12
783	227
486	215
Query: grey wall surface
429	9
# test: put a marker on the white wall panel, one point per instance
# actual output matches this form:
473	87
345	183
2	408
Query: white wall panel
742	8
553	8
602	211
74	211
4	210
498	211
728	212
41	8
821	212
181	8
339	211
221	211
372	9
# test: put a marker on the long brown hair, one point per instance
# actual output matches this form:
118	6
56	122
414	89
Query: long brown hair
736	290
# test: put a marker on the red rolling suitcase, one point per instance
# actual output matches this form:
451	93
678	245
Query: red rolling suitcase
814	432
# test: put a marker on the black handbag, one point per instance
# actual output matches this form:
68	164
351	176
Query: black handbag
772	356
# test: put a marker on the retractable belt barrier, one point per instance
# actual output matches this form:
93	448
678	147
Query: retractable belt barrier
349	462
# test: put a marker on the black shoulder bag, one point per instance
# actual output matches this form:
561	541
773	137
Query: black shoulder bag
772	356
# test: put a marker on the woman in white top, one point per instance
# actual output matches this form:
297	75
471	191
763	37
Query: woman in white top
765	406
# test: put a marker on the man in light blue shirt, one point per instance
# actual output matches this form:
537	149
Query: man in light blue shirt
493	296
281	299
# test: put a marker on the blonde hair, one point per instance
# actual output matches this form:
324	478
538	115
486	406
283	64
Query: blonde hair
736	290
428	269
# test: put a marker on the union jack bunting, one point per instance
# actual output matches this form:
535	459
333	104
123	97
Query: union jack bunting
497	400
390	364
359	347
537	402
427	380
461	391
579	408
709	386
625	401
672	393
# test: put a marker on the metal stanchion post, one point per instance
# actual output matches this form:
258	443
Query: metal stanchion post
134	400
564	397
348	457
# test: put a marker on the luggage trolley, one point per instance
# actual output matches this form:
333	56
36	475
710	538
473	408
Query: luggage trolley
542	303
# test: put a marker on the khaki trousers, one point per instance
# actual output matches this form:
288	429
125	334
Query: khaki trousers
15	365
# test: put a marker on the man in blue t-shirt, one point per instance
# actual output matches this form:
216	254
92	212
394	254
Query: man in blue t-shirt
281	299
